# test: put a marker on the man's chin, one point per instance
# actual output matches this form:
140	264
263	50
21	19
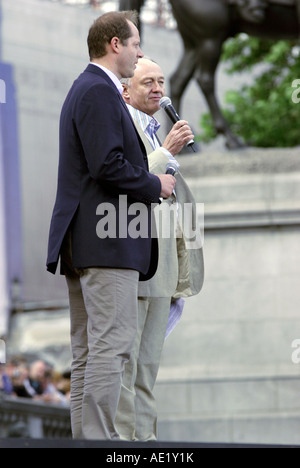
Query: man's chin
156	109
129	74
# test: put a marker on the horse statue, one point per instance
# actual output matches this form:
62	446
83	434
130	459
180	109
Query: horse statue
205	25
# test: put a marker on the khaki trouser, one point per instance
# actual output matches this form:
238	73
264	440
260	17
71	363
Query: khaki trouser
103	305
137	414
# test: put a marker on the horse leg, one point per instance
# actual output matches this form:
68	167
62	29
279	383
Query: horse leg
131	5
137	5
209	54
182	76
179	81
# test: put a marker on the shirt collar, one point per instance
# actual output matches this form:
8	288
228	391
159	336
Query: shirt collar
111	75
143	119
148	124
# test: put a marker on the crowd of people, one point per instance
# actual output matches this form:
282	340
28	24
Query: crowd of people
37	381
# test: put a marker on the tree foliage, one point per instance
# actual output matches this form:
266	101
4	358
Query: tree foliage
263	114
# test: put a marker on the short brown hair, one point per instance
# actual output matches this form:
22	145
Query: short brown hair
107	26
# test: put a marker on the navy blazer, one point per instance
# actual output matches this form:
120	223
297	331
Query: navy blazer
102	157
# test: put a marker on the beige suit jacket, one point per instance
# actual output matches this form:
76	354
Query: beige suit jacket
180	270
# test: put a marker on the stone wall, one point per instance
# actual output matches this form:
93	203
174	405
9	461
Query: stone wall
227	373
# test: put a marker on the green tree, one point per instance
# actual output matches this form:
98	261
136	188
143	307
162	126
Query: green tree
263	114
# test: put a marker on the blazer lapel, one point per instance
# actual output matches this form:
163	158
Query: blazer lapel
135	128
93	69
142	136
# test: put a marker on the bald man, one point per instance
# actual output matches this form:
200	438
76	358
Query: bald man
180	270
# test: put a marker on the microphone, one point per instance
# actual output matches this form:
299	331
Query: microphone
166	104
172	168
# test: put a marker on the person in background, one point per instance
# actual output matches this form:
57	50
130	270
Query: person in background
37	373
180	272
5	383
20	379
37	381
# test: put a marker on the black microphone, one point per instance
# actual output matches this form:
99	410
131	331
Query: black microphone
166	104
171	168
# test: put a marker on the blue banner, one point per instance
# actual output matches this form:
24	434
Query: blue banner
10	199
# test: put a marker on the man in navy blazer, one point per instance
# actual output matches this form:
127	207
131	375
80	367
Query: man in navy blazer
103	183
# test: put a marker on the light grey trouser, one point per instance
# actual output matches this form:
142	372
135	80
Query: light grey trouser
137	413
103	305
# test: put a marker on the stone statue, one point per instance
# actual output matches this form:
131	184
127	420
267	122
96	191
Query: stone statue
205	25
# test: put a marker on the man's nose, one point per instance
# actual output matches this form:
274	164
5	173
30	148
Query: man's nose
157	87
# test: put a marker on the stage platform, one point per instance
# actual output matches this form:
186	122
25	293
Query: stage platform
167	451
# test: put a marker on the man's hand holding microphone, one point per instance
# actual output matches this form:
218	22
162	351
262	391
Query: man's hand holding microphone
180	135
168	183
171	169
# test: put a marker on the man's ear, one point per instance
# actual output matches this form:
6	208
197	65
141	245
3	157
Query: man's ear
115	44
125	94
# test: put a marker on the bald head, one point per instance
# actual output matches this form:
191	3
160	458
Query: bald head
146	88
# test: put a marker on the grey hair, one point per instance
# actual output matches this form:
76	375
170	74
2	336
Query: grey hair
126	81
